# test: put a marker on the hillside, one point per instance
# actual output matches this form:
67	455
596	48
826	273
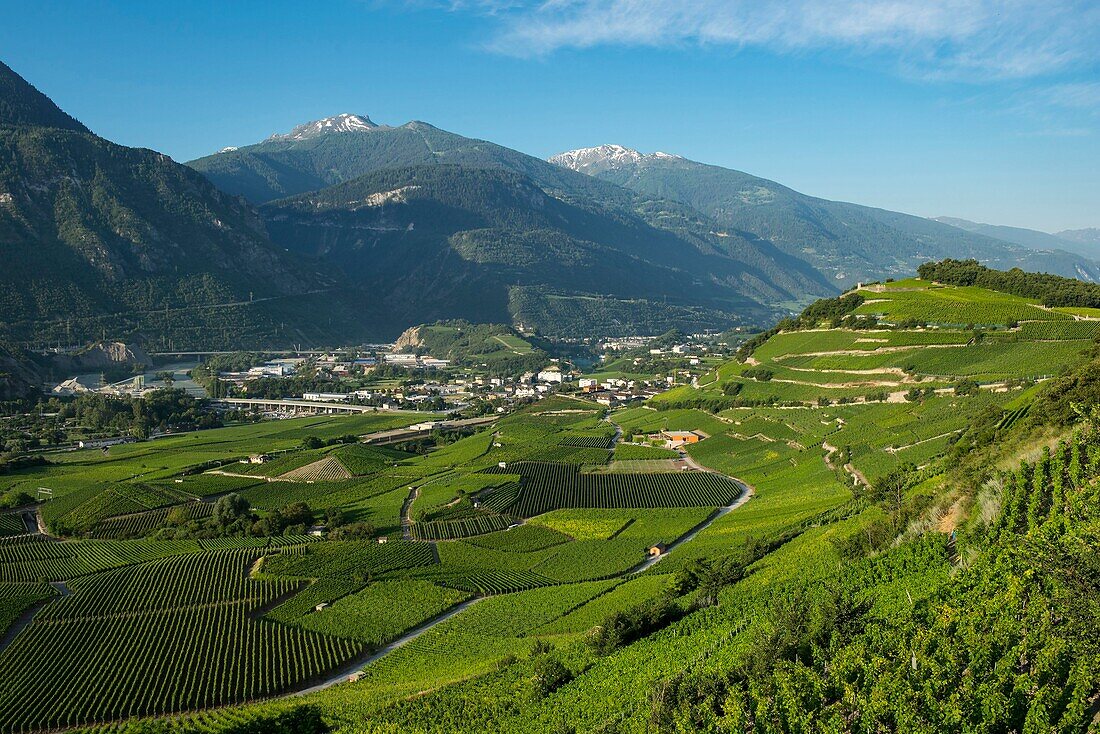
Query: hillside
329	154
497	348
493	246
847	242
21	104
1088	236
99	238
1036	240
290	164
19	375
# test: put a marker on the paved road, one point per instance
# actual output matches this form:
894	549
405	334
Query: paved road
746	494
355	666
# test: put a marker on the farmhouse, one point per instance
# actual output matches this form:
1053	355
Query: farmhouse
676	439
656	550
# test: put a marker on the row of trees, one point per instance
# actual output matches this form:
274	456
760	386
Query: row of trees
233	516
834	311
1052	290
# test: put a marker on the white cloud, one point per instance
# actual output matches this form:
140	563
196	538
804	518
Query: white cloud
964	39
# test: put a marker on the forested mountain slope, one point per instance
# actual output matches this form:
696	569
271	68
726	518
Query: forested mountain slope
96	237
326	153
848	242
1032	238
23	104
285	165
492	246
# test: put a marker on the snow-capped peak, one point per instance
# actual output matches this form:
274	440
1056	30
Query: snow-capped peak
605	157
342	123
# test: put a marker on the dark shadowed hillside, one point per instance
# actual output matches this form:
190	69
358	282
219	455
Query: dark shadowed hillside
487	245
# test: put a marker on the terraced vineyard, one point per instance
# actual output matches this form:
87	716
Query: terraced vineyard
588	441
352	560
12	524
328	469
880	493
143	523
35	559
959	306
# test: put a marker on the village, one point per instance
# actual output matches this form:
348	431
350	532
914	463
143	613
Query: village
385	377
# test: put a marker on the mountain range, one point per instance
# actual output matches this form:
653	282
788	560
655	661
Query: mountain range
847	242
344	230
1085	242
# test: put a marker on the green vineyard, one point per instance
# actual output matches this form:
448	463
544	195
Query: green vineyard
546	487
487	583
143	523
352	560
461	528
36	560
171	635
587	441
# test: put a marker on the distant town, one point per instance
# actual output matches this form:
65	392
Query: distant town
627	370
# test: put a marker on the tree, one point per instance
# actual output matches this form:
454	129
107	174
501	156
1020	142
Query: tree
550	675
334	517
230	508
890	489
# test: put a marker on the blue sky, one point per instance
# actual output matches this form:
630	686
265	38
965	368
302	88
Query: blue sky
988	110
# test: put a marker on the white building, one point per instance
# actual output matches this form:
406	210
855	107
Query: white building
272	369
324	397
551	374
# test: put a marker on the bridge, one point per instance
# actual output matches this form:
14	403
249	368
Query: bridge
305	407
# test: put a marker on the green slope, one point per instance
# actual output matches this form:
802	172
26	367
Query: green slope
22	104
281	167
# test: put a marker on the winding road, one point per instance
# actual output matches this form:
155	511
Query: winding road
746	494
347	672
